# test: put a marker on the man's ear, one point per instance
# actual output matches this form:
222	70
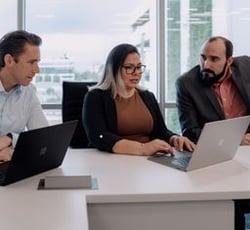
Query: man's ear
230	60
8	59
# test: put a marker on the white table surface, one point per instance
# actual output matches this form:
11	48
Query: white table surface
120	178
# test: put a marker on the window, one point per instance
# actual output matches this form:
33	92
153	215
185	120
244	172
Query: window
8	16
188	24
78	34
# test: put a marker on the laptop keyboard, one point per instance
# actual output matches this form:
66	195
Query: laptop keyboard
180	160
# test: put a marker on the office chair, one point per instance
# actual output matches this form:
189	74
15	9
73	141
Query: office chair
72	102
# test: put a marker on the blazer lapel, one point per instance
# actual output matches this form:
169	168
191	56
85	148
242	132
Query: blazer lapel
110	110
214	102
242	90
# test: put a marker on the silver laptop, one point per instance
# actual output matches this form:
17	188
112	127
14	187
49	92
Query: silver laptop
218	142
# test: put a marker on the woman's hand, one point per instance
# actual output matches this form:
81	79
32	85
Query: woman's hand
155	146
152	147
181	143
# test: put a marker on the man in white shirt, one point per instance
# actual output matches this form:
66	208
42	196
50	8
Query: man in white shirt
20	108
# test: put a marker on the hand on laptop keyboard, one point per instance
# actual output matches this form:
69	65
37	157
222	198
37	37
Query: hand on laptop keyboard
182	143
163	153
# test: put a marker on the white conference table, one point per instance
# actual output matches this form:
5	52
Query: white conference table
133	193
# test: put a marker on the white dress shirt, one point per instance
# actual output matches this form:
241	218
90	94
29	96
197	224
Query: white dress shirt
20	109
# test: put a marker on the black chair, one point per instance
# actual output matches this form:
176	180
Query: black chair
72	103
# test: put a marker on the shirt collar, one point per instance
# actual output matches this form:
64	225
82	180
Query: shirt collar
228	75
17	89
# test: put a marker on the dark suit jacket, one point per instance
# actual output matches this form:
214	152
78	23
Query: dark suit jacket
198	104
100	121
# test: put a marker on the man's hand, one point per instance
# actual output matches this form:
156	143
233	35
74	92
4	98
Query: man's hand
5	141
6	154
246	139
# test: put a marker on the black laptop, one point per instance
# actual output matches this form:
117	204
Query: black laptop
37	151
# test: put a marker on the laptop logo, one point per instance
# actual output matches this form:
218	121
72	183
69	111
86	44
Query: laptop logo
221	142
43	150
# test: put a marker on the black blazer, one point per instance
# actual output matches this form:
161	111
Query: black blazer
100	121
198	104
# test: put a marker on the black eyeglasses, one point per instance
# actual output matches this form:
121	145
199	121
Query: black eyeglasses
130	69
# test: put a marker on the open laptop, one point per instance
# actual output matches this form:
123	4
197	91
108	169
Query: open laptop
218	142
37	151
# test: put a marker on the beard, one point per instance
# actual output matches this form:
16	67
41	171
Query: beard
209	80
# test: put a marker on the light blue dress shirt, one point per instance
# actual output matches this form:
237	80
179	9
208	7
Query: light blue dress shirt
20	109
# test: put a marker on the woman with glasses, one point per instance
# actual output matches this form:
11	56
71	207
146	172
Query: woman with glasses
121	117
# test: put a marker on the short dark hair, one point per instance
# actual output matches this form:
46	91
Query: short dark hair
228	44
14	42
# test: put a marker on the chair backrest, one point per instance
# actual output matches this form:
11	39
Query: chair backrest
72	104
